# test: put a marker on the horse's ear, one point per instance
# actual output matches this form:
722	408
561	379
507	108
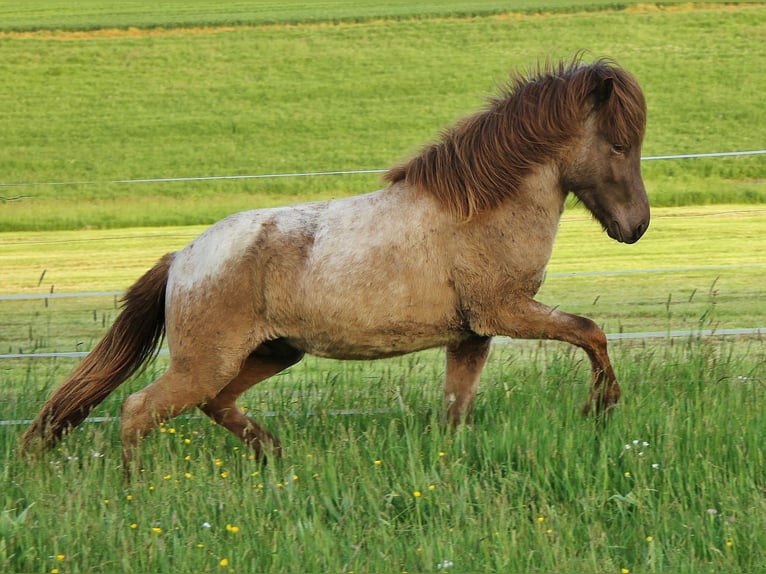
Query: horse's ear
602	91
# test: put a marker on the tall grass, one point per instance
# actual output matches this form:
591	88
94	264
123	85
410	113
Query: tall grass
671	483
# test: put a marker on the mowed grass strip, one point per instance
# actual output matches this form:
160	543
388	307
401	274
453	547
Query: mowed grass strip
356	96
712	259
58	16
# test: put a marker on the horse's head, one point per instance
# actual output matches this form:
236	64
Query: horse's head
603	169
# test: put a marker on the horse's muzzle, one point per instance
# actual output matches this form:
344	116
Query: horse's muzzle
630	235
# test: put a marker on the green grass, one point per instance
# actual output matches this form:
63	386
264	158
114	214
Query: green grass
257	100
530	487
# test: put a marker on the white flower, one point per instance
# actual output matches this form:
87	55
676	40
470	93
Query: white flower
656	466
445	564
205	525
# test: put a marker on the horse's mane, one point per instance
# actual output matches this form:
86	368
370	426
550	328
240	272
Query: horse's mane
482	160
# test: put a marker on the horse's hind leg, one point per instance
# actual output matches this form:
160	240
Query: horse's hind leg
267	360
168	396
465	360
191	380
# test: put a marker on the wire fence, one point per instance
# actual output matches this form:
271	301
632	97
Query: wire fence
332	172
758	331
89	294
672	334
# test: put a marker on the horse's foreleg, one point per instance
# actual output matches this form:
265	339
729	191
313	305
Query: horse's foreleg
534	320
605	392
465	360
267	360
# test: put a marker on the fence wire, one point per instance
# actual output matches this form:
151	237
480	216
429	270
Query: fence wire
333	172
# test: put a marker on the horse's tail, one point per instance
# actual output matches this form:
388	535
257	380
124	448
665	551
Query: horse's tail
131	340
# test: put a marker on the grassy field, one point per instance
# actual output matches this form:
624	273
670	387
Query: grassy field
370	480
285	99
672	483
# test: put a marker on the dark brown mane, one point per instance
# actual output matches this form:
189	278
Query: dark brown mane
483	159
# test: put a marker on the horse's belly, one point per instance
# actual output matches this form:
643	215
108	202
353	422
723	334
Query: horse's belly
368	344
374	332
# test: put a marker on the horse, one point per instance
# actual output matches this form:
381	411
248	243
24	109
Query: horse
450	253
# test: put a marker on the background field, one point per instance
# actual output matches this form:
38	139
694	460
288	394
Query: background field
302	98
370	480
98	14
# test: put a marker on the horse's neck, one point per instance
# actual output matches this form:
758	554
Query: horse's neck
515	241
537	205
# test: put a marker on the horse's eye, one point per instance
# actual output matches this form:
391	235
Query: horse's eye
619	148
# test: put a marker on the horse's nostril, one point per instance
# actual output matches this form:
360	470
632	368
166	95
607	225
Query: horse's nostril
639	231
614	231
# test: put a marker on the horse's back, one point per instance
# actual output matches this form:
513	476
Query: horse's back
354	278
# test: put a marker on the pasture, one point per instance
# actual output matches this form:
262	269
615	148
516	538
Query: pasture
306	98
371	480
